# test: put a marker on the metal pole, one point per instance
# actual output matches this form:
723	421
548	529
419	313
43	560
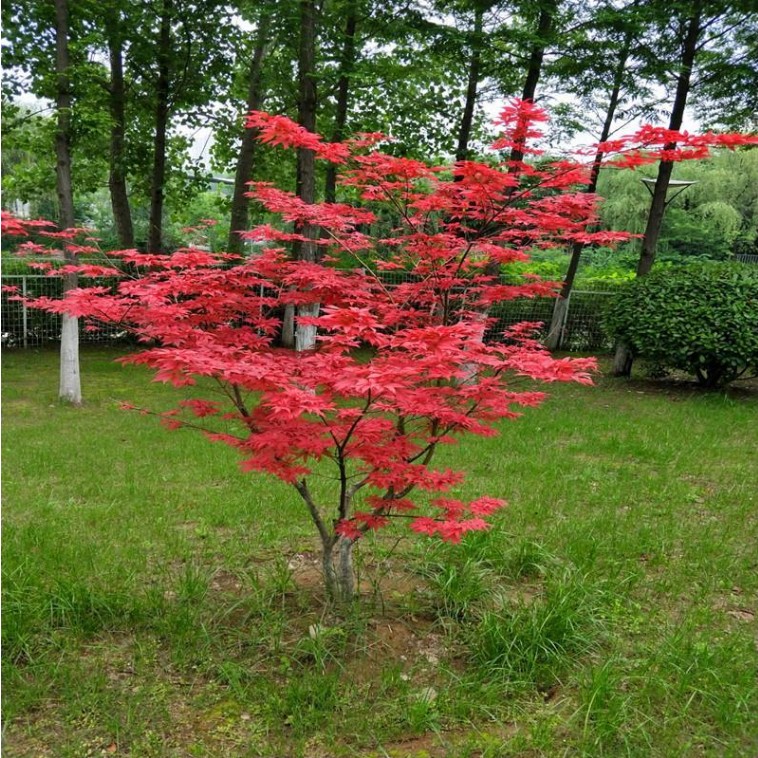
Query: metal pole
24	313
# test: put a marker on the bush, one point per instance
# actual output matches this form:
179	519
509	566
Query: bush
700	318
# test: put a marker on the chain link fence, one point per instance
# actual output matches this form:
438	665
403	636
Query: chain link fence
582	329
23	327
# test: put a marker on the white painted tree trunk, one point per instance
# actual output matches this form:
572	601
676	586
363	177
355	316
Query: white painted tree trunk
70	386
305	334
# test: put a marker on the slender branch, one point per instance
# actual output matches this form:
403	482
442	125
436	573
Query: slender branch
302	487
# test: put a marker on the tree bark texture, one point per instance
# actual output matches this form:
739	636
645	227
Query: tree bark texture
347	63
339	574
69	388
122	214
162	91
336	550
239	218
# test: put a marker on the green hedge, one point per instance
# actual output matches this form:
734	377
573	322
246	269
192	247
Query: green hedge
699	318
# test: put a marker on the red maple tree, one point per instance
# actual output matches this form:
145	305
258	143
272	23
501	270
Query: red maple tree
398	369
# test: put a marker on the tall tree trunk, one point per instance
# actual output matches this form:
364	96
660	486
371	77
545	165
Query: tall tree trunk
554	335
162	86
306	106
122	214
623	360
69	388
303	337
464	130
246	158
534	69
347	62
537	56
665	168
533	72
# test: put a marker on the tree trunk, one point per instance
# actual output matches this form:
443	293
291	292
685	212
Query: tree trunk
246	159
534	69
306	106
336	550
63	104
69	388
560	311
339	574
162	87
665	168
624	359
122	214
467	120
347	62
305	336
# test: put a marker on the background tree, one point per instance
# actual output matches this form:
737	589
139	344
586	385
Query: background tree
189	57
70	388
348	55
240	203
693	27
583	70
114	24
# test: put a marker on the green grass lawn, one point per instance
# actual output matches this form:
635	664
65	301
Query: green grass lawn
158	602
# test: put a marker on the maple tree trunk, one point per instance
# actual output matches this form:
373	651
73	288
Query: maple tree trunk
336	550
560	310
69	386
464	131
339	575
239	218
122	214
155	231
623	360
347	61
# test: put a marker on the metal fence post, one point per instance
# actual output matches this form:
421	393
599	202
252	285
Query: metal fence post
24	314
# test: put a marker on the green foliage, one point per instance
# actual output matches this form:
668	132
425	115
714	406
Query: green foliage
714	218
700	318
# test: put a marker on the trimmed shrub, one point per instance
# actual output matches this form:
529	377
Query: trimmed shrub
699	318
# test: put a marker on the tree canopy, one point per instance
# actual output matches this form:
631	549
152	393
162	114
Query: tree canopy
147	78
